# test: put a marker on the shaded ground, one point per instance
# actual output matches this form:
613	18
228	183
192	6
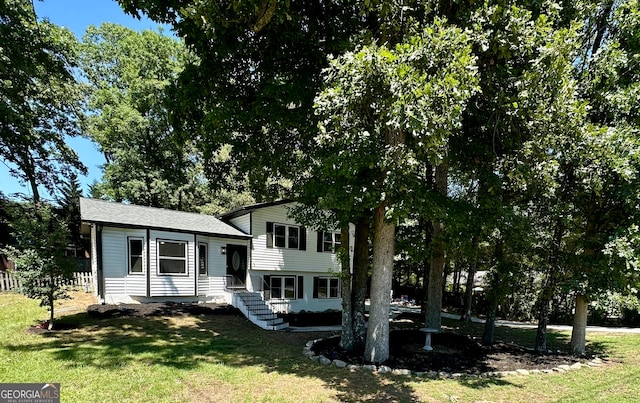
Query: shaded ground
154	309
453	352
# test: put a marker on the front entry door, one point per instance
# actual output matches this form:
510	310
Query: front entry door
236	265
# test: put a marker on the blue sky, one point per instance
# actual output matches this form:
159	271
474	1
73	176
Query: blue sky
77	15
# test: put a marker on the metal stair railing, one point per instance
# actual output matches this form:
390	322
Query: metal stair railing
234	284
277	305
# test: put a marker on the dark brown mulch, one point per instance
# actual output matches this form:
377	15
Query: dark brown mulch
303	319
453	353
159	309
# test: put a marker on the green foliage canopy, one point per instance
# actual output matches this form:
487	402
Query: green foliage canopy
40	101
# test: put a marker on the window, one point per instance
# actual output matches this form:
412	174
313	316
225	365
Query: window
136	258
293	237
172	257
329	241
286	236
283	287
326	287
202	259
280	235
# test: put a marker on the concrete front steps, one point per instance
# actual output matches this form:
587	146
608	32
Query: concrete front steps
256	309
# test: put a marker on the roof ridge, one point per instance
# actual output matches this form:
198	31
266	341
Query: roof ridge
146	207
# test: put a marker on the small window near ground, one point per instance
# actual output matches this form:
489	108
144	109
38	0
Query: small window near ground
136	255
202	259
283	287
172	257
326	287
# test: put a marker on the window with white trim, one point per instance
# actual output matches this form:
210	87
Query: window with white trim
283	287
172	257
326	287
329	241
136	255
286	236
202	258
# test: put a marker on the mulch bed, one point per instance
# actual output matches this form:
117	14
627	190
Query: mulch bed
159	309
453	353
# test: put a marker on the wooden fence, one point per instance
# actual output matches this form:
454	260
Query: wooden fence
9	282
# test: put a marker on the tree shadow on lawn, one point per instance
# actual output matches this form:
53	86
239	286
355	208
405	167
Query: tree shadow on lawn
189	340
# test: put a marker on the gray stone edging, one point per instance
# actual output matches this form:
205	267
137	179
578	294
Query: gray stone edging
383	369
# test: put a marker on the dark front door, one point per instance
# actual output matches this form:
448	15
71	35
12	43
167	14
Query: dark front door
236	265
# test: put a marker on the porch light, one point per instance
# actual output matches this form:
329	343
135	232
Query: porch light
223	250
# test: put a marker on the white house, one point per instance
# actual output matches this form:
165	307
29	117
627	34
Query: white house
255	257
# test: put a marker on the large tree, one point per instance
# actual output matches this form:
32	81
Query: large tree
128	75
253	88
40	101
385	111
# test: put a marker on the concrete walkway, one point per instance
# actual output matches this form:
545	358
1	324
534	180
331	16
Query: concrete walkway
398	309
630	330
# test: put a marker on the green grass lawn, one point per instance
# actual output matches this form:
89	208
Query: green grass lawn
224	358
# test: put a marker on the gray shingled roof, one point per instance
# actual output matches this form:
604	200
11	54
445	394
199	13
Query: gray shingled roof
129	215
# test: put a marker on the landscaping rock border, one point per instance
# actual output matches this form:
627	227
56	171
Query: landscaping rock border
383	369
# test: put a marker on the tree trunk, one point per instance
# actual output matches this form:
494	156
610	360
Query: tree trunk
579	332
468	292
29	171
347	340
426	229
426	263
456	278
377	343
601	25
543	319
436	271
360	276
488	336
549	285
52	301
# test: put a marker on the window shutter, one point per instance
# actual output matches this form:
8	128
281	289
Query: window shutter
300	287
302	243
320	235
269	234
315	287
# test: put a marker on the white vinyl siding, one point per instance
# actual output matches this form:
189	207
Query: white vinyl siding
213	284
117	280
120	286
171	285
264	258
243	222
